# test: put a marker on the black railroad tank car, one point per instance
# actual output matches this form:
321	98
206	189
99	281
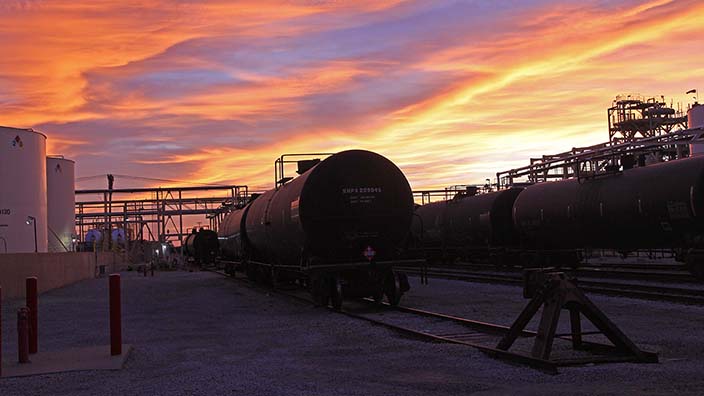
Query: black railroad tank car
232	233
656	206
202	247
467	226
340	224
428	231
352	201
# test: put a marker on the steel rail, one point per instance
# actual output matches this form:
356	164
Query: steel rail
647	292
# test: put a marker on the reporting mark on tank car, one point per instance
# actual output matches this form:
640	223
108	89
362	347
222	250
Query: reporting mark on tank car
677	210
355	196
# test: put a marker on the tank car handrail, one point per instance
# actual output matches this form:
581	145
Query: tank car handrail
600	151
279	166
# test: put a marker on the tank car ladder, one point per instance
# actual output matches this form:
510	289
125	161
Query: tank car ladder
554	291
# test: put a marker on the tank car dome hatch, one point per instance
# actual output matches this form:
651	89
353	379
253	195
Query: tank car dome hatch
23	195
305	165
60	190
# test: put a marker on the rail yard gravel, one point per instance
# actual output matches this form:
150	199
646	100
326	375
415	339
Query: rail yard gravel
201	333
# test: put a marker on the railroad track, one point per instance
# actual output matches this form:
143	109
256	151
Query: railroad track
642	291
646	272
471	333
444	328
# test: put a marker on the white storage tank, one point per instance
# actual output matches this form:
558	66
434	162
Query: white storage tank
695	116
695	119
23	221
61	201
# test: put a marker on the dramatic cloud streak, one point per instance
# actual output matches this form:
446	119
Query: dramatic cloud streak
452	91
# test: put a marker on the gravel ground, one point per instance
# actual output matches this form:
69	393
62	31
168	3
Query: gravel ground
200	333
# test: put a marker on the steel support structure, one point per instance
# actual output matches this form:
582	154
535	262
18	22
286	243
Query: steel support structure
160	210
632	117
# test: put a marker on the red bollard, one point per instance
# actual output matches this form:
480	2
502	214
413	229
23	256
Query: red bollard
22	335
32	300
115	316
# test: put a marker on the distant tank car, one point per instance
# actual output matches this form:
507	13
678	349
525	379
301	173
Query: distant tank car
232	234
467	226
658	206
337	227
201	247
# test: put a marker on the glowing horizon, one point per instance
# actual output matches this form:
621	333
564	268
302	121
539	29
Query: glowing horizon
452	92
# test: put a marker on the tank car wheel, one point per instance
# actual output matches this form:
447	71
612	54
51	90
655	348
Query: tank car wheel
695	264
336	294
263	275
274	278
251	273
378	296
320	291
393	289
229	269
322	300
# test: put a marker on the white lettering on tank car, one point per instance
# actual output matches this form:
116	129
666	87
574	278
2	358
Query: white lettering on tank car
361	190
355	196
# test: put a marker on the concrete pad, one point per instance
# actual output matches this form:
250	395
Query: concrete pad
76	359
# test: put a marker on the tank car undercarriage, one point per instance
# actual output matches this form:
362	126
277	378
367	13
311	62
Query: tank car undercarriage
330	284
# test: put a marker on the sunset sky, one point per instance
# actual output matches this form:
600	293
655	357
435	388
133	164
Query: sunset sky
451	91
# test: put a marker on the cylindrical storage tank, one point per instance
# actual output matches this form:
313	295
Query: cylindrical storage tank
94	235
695	119
22	191
60	189
695	116
351	202
118	236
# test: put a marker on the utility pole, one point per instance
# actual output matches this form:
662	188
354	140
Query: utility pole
111	182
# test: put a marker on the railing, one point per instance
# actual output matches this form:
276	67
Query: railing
603	158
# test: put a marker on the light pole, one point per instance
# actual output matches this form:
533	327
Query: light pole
32	220
4	241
